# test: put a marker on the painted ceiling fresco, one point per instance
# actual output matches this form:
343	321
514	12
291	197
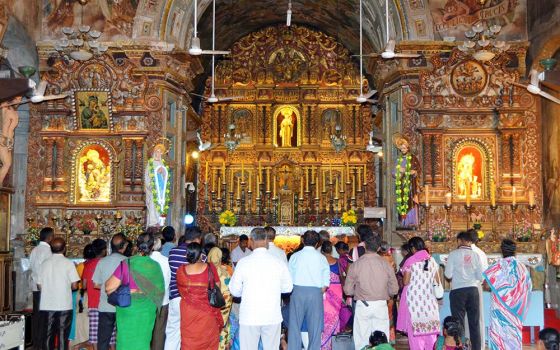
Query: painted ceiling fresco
171	20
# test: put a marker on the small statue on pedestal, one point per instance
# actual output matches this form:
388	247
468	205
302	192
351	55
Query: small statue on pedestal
406	183
156	185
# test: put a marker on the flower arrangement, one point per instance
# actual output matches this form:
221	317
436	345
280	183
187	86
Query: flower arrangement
402	184
440	231
162	210
287	243
228	218
349	218
523	231
477	225
85	225
33	233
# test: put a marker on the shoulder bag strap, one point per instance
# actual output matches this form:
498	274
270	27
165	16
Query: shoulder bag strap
210	277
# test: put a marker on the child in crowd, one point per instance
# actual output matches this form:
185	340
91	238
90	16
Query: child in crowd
453	336
549	339
378	341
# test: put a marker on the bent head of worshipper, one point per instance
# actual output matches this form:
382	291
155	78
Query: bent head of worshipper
549	339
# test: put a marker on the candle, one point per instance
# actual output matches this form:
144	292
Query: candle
259	175
330	173
206	173
468	196
223	170
238	188
514	196
336	189
301	187
312	173
219	192
531	198
359	177
347	170
306	179
492	193
365	174
268	180
274	184
427	195
243	171
342	183
353	187
213	179
324	181
231	184
250	182
448	199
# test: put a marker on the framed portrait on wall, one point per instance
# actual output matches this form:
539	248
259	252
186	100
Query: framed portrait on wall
92	110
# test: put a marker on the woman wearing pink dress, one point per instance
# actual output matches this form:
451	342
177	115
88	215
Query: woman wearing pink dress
418	310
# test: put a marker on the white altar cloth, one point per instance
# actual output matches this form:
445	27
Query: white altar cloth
288	230
535	261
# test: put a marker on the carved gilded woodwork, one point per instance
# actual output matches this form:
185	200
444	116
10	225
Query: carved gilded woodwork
464	104
310	75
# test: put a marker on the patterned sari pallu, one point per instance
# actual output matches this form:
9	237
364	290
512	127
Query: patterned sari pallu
511	287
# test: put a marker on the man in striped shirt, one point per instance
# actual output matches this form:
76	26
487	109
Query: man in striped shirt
177	258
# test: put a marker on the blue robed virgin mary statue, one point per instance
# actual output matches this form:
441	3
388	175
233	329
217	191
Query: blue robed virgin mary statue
156	183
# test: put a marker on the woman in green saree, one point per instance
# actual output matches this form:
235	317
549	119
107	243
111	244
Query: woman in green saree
145	279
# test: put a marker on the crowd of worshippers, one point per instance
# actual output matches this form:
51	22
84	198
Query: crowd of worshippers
157	294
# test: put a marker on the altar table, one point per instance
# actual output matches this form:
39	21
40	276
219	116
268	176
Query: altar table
288	230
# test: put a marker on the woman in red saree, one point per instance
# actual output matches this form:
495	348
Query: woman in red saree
201	323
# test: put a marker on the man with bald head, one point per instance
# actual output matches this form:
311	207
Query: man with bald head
104	269
57	278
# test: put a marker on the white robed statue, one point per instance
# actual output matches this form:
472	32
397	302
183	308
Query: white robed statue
156	184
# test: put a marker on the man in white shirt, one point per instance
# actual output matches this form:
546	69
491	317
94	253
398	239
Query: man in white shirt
38	255
272	248
484	262
158	333
242	250
464	270
259	280
57	278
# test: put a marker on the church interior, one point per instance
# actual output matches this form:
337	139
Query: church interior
417	117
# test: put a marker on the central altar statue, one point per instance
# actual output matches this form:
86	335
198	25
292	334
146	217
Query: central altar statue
286	128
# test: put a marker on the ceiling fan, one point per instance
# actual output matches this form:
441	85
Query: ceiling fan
389	52
213	98
367	97
202	146
38	95
534	86
195	49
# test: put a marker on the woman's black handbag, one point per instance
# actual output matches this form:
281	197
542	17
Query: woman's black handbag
121	296
215	297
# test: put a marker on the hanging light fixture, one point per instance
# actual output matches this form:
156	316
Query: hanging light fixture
80	43
482	43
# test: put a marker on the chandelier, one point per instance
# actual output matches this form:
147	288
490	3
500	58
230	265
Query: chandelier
482	43
231	139
80	43
338	140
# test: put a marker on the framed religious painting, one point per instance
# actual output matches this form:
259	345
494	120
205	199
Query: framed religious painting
92	110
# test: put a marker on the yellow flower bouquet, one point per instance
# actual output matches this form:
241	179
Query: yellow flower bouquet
349	218
228	218
287	243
